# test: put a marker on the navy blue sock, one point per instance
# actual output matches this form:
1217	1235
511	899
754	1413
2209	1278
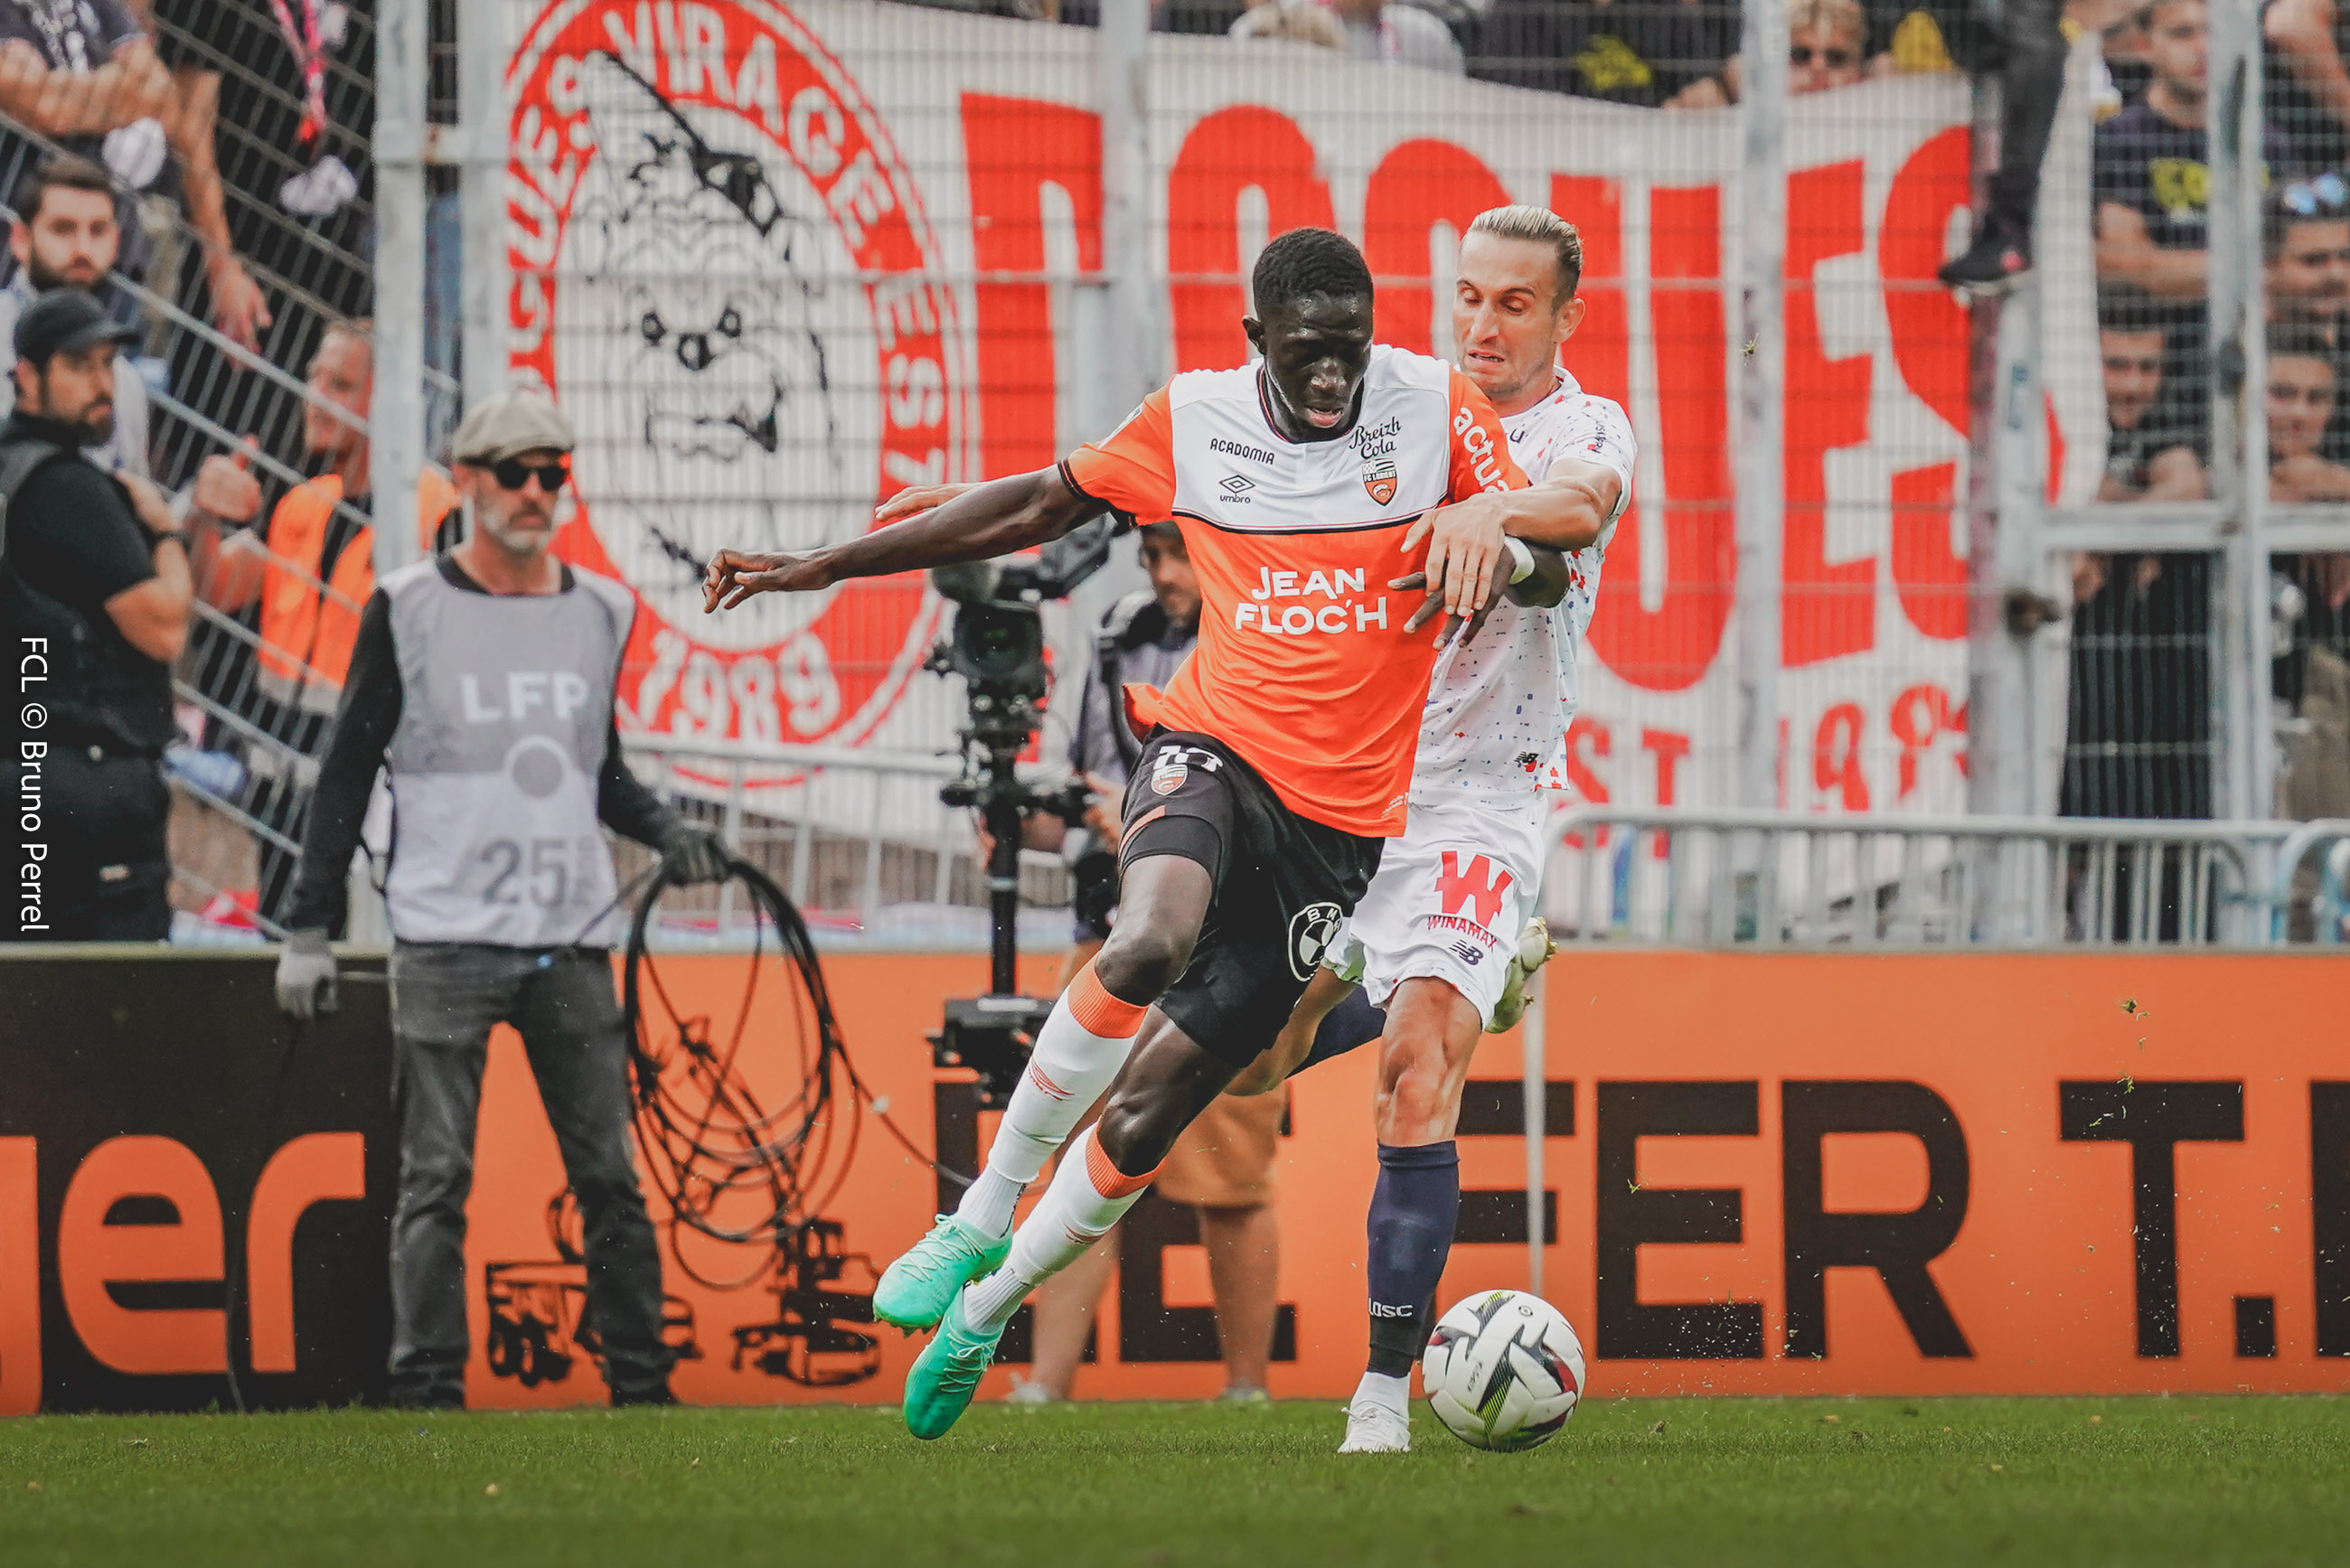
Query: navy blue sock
1412	1211
1348	1026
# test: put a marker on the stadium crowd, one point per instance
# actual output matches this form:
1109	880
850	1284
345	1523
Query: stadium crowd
199	168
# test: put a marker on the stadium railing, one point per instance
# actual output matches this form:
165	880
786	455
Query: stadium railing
857	838
1674	876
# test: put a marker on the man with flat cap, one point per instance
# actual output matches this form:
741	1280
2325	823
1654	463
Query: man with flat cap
483	682
94	597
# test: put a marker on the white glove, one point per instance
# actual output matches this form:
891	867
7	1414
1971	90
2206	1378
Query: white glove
306	976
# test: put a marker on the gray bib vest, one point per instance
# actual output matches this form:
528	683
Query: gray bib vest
506	707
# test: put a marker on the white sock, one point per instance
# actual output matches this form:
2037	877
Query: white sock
1078	1052
1379	1388
1087	1198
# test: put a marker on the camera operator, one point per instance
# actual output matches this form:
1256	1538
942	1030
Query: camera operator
94	597
1142	639
483	682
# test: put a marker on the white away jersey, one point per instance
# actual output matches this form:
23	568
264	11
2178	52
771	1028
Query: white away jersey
1498	709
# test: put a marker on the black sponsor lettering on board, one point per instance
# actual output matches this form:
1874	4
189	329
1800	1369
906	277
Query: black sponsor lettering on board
2153	1119
2329	1193
1898	1246
1631	1217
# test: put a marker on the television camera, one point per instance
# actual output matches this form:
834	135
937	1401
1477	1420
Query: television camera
997	646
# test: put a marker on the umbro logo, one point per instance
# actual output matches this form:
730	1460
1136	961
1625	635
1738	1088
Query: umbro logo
1237	483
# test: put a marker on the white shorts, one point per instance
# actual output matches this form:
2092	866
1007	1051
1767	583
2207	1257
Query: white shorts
1450	899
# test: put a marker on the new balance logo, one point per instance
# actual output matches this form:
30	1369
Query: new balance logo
1481	883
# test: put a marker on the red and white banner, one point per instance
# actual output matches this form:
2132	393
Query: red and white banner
779	262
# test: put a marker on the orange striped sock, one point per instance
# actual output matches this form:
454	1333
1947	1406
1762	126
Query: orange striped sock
1077	1053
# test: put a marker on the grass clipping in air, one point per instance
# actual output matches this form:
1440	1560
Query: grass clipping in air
2240	1481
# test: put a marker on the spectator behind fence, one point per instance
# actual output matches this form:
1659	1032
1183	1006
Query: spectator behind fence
1827	47
2305	246
1643	52
1825	42
2150	181
81	74
1299	21
2151	443
66	236
309	577
1399	34
2301	405
94	602
2308	90
482	685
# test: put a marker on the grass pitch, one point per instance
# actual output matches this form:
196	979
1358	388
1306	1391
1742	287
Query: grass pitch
1893	1482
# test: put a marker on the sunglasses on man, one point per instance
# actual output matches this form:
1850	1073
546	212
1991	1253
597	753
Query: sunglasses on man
2307	198
513	473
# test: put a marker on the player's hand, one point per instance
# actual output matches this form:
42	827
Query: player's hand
1463	541
1456	628
917	498
738	574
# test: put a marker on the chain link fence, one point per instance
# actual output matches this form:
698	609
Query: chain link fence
761	334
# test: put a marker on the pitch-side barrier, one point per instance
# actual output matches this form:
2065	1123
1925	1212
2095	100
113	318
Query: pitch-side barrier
1666	876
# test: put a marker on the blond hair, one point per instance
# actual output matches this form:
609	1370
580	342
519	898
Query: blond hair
1523	221
1834	16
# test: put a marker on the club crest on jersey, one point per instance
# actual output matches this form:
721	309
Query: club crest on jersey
1168	772
1379	479
1311	931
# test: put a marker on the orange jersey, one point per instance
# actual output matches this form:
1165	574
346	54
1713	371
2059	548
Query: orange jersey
1303	665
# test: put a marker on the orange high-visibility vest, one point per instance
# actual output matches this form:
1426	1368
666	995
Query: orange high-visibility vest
307	627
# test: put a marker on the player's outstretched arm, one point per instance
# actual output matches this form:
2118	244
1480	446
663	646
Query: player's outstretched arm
986	521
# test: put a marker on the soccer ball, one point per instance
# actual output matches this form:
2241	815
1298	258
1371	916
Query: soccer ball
1504	1370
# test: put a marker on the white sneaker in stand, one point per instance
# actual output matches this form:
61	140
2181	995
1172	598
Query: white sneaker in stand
1373	1429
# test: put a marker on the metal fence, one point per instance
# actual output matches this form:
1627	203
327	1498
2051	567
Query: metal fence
2084	552
1773	880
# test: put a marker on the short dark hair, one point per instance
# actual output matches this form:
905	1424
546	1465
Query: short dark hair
1303	262
60	170
2122	307
2299	340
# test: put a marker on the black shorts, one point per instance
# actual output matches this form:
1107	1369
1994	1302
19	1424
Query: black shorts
1283	884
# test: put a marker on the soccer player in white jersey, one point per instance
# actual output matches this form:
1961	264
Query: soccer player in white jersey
1436	939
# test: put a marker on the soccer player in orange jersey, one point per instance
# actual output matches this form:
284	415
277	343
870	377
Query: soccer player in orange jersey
1278	759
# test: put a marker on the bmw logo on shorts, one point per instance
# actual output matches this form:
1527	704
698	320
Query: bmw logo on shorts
1310	933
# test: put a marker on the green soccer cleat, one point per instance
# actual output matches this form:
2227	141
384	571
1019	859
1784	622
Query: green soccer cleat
915	1290
1534	950
944	1376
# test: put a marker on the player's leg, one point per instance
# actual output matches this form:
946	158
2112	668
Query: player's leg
1286	1055
1065	1313
1432	1035
1164	1084
1162	903
1279	896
